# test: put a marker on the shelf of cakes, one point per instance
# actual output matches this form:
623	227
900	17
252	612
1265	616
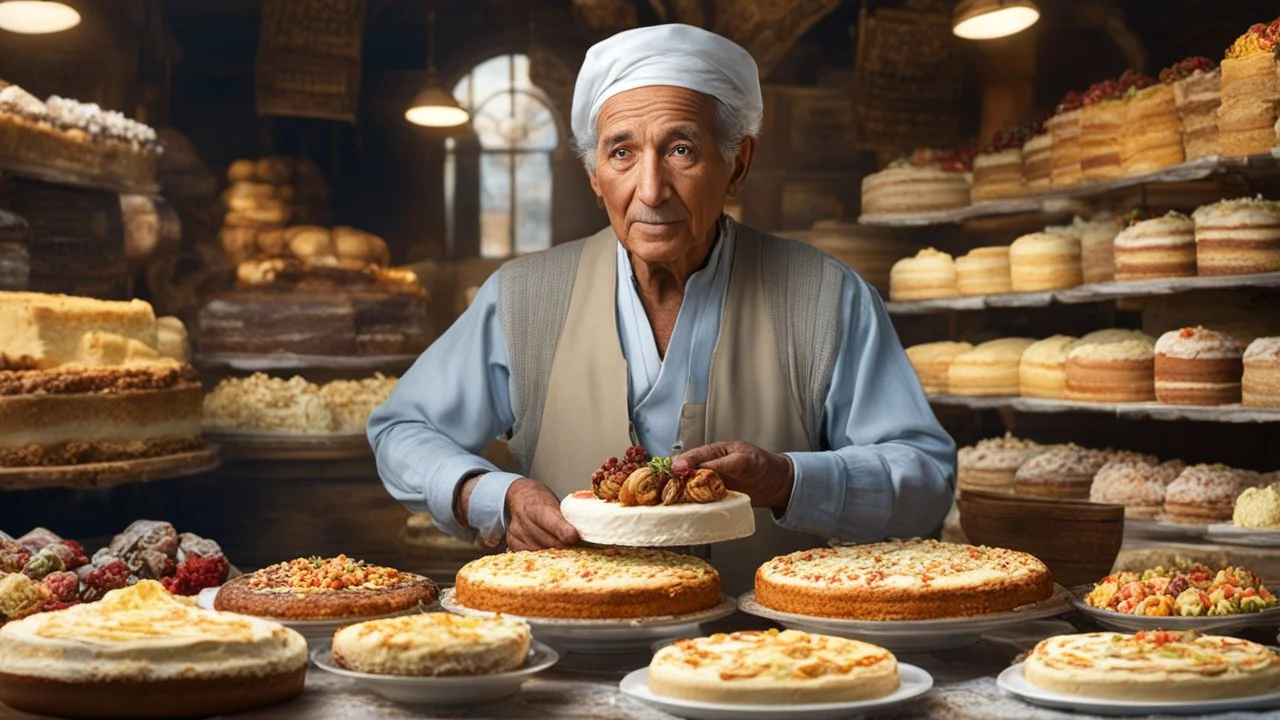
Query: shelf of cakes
266	418
67	142
95	393
1232	244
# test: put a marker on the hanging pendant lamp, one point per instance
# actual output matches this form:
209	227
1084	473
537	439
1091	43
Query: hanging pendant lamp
37	17
989	19
434	106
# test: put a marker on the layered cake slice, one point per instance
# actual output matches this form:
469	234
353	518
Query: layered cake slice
997	170
1197	92
1152	130
1042	370
1238	237
1037	162
1196	366
1250	93
1101	128
85	381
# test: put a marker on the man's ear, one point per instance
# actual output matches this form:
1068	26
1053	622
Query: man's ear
741	165
595	184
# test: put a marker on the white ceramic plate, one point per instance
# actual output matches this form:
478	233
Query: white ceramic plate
606	636
1232	535
914	635
449	690
1015	683
914	682
312	630
1123	621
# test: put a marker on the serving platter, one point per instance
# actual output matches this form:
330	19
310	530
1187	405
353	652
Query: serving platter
1123	621
449	690
1160	530
620	635
111	473
914	635
913	682
315	631
1015	683
1232	535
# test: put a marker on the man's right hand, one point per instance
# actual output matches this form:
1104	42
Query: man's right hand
536	520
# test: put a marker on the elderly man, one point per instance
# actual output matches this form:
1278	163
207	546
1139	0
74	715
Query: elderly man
760	358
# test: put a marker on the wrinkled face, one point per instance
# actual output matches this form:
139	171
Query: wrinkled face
660	173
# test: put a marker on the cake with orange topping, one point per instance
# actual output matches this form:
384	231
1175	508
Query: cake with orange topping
1197	366
336	588
902	580
141	652
1250	93
1238	237
772	667
1260	386
433	645
1197	92
588	583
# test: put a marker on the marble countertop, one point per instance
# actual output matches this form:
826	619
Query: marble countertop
585	686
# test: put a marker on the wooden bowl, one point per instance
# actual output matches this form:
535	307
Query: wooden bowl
1078	540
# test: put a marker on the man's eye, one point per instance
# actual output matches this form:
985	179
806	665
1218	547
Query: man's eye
620	153
682	150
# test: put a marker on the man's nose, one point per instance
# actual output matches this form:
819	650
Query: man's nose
654	186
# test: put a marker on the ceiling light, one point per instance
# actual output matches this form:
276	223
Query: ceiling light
37	17
434	106
987	19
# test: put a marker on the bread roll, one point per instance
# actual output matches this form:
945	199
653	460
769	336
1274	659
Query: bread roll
247	189
351	244
241	171
272	242
309	242
239	243
266	212
275	170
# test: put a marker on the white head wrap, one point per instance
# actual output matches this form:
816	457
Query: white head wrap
677	55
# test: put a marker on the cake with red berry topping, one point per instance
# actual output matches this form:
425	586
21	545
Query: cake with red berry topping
997	170
1197	92
1102	125
926	181
1064	130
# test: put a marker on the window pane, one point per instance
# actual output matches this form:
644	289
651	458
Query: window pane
533	202
522	72
495	205
538	130
493	122
491	76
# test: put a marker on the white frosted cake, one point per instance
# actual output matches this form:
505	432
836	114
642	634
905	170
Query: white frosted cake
611	523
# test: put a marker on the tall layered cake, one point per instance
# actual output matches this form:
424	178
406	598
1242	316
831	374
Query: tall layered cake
1238	237
927	181
1097	245
1037	162
1197	92
1064	132
1152	137
1111	370
1040	262
85	381
1162	247
1101	130
1198	366
929	275
1250	93
997	170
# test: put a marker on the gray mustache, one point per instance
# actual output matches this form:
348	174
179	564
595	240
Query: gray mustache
656	216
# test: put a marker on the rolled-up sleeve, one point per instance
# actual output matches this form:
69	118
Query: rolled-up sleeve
890	471
453	402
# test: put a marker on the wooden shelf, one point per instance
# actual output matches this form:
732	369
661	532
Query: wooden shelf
1129	411
1087	293
1050	201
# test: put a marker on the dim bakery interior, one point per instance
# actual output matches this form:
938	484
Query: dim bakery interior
639	359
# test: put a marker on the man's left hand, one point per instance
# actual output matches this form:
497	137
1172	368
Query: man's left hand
763	476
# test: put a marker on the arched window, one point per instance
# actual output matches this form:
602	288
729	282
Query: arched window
517	133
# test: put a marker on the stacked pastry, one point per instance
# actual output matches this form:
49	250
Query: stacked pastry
1261	382
997	170
1205	494
1197	91
927	181
932	363
1138	483
1064	472
1097	246
991	465
984	271
1042	370
929	275
1064	133
1250	93
1112	366
1041	261
1196	366
990	369
259	198
1238	237
1161	247
1101	130
1152	130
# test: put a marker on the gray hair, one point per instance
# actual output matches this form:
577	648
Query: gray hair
733	126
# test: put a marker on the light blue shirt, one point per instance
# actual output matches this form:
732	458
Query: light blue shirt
890	471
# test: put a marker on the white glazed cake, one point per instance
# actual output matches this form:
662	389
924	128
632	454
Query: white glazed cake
609	523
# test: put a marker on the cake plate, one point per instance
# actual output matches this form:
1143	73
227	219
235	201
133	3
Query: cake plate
110	474
1161	530
1132	623
913	682
240	444
1229	534
450	690
621	635
913	635
1014	682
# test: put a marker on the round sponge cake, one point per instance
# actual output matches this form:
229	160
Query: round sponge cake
432	644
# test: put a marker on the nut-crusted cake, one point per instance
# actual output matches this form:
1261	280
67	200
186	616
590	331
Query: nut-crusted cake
432	645
1204	494
1065	471
1136	483
141	652
336	588
902	580
84	381
600	583
991	464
